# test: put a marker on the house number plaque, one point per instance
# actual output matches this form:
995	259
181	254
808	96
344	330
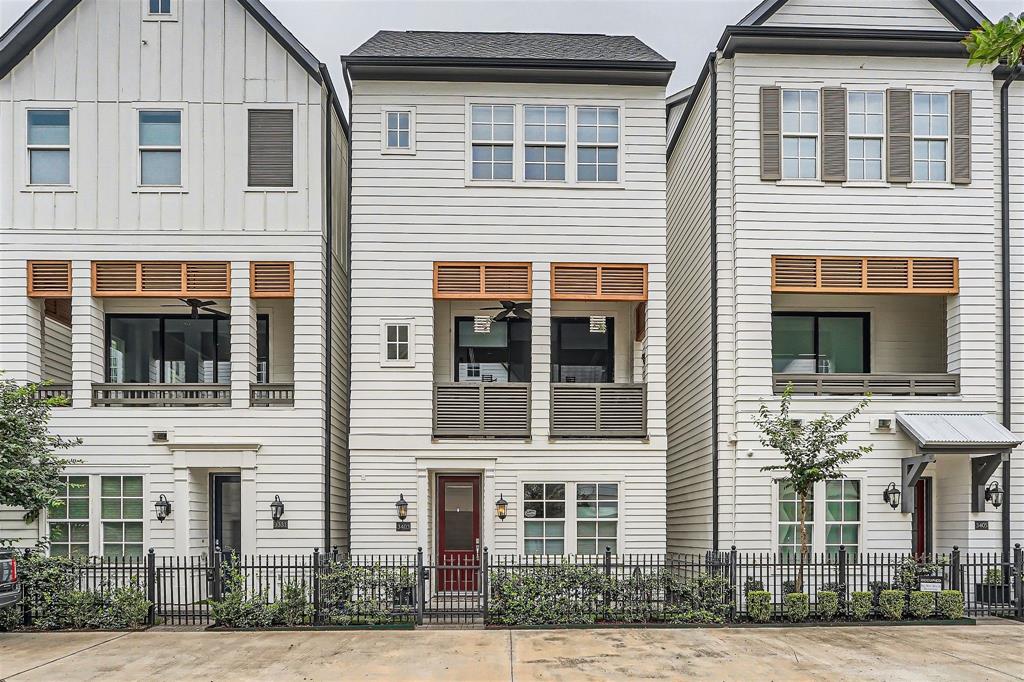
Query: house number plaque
403	526
280	524
981	525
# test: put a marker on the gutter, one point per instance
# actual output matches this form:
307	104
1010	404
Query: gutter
713	71
1004	199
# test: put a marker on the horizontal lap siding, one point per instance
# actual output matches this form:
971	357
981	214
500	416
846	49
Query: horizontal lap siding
913	14
690	486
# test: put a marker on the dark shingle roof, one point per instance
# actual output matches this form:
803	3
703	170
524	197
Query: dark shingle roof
515	46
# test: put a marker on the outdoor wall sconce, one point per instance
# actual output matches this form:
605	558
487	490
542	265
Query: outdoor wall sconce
994	494
892	495
402	506
277	508
502	507
163	508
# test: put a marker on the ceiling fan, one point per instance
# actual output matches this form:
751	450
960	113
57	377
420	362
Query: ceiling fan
513	310
197	305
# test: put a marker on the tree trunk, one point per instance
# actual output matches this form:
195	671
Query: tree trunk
802	517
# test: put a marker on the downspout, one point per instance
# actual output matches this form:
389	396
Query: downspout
328	336
713	74
1004	198
348	250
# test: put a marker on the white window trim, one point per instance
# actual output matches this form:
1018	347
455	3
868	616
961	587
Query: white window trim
816	136
244	171
518	505
818	512
171	16
24	184
564	145
384	323
95	520
948	139
516	143
620	168
137	150
876	182
400	151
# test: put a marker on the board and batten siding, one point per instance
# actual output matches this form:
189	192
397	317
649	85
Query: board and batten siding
409	211
910	14
689	423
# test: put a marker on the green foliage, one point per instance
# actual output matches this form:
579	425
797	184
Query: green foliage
828	604
950	604
861	604
1001	42
993	576
29	468
238	607
797	606
293	607
759	606
891	604
753	585
703	599
921	605
10	618
366	595
123	608
909	570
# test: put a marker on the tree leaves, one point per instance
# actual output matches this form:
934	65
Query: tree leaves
998	43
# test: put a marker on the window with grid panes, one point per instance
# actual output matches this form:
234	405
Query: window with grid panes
597	144
545	142
800	116
597	517
397	342
121	513
68	518
789	520
931	136
544	518
866	125
493	134
398	130
842	516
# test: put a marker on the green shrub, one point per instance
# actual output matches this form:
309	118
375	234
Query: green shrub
797	606
759	606
704	599
828	604
993	576
10	618
861	605
371	594
922	604
752	585
876	587
891	604
951	604
293	607
238	608
546	594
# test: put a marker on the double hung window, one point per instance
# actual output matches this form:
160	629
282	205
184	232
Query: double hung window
866	126
832	518
68	518
800	122
160	148
493	137
544	518
597	144
49	146
121	510
545	142
931	136
570	518
597	517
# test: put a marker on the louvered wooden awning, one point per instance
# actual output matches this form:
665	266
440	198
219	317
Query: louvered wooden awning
865	275
161	278
49	278
483	281
598	282
272	279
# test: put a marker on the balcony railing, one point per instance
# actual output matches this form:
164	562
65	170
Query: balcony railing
876	384
272	395
483	410
599	410
55	391
161	395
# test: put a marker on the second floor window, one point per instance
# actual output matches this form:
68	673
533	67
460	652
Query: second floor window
866	131
597	144
820	343
501	354
800	117
49	146
545	143
931	136
397	129
493	135
579	355
160	148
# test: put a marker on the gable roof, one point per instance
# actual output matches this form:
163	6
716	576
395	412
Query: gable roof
963	14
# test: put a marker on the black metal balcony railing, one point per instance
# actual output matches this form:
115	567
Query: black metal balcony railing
599	410
272	395
876	384
482	409
161	395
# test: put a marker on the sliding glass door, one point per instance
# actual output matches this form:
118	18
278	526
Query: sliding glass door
820	343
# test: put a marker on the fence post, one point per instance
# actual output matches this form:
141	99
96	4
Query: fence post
151	585
421	588
484	579
841	587
217	577
26	598
954	569
733	581
334	552
316	585
1018	578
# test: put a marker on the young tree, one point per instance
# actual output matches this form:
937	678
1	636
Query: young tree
815	451
1001	42
29	466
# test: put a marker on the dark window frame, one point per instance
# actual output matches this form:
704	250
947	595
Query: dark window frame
457	346
557	334
816	315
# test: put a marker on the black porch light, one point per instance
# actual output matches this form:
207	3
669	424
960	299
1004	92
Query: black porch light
994	494
277	508
892	495
402	506
163	508
502	507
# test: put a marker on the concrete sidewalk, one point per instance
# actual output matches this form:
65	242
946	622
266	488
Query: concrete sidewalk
993	650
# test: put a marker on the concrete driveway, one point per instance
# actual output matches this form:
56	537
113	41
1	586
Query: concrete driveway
989	651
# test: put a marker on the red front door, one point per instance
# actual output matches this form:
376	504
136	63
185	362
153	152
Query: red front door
922	517
458	533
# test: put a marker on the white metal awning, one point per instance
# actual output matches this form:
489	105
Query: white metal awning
959	432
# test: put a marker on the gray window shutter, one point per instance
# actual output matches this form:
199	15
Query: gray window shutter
900	137
961	139
833	134
271	134
771	133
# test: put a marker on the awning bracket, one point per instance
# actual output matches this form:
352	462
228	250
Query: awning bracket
982	469
912	469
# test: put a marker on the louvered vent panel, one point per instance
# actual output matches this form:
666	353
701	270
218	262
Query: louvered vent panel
115	277
599	282
207	278
272	280
622	409
270	148
795	271
506	409
865	274
623	282
456	280
49	279
573	410
572	281
482	280
937	273
886	273
457	410
506	280
160	277
842	273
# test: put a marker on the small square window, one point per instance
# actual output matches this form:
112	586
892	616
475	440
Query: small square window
398	131
397	344
160	10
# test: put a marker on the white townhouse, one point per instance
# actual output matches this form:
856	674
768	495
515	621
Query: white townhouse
833	225
508	294
173	258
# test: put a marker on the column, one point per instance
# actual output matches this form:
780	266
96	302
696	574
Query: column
540	426
243	336
88	332
249	510
181	511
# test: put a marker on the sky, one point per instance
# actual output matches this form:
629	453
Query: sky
684	31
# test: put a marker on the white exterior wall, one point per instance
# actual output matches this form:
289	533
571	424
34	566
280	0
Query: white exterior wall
103	61
909	14
409	211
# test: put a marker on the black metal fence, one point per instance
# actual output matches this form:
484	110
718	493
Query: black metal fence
509	589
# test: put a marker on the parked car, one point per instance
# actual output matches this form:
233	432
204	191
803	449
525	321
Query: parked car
10	589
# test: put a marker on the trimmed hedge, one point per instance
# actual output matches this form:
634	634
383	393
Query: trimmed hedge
950	604
922	605
861	604
828	604
797	606
759	606
892	603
